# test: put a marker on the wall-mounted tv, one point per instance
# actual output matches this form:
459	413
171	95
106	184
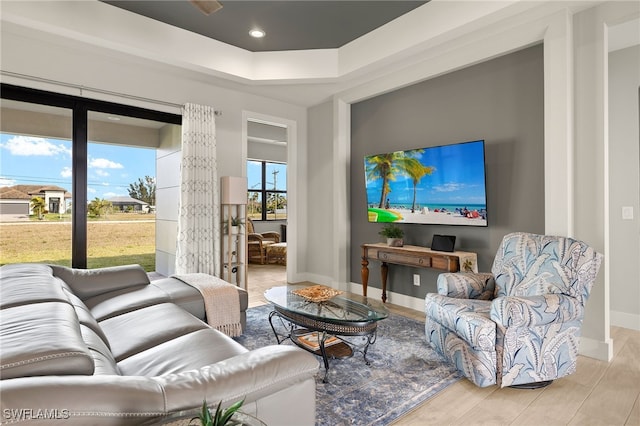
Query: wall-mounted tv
443	185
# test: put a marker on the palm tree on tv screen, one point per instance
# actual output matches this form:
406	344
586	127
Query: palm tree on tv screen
382	167
413	168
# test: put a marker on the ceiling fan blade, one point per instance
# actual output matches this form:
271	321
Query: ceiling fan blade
207	6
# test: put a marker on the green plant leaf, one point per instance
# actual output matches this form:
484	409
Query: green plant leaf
205	415
391	231
229	412
220	417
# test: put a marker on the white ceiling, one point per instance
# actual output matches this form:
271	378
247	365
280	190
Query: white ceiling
302	77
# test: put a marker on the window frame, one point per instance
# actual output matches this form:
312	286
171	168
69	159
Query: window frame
263	191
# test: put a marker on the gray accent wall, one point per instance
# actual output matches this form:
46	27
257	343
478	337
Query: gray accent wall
500	101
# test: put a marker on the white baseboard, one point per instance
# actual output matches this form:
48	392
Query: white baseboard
625	320
596	349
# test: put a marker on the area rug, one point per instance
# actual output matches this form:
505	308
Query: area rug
404	372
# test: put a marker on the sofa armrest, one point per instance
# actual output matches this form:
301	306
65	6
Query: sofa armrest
274	379
87	283
466	285
80	400
253	375
528	311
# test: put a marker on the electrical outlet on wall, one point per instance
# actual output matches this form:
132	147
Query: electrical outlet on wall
416	279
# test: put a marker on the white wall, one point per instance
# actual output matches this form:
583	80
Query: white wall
167	192
591	158
320	186
624	186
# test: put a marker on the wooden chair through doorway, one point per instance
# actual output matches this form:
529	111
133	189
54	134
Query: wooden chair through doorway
258	243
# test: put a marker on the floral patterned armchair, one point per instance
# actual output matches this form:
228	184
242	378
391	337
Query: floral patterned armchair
520	325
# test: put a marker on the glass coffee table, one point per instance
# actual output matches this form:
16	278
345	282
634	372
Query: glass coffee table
319	319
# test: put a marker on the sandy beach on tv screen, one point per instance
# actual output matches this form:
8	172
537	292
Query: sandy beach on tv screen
439	218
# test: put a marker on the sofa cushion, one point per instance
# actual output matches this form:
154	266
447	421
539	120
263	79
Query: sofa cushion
188	352
25	269
117	302
21	286
87	283
468	318
42	340
136	331
185	296
84	316
103	361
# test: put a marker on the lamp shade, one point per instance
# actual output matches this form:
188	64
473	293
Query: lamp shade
233	190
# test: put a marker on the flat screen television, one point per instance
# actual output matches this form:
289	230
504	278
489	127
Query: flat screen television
443	185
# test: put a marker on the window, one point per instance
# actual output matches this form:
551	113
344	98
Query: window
89	135
267	183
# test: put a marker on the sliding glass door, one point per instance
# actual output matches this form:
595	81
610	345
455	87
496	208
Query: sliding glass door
93	164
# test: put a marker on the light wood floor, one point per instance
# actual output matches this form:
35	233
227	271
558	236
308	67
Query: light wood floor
599	393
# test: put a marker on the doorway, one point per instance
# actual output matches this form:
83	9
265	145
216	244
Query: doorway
271	193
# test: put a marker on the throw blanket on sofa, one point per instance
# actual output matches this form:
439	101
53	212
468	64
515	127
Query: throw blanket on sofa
221	301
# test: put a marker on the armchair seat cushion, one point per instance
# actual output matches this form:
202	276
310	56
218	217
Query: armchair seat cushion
469	319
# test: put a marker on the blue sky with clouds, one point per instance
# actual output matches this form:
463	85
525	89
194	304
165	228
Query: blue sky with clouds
27	160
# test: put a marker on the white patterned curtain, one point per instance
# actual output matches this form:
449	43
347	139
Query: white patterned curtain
198	242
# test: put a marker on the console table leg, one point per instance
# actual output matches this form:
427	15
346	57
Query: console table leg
384	270
365	275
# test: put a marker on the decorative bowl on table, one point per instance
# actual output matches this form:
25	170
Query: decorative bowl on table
317	293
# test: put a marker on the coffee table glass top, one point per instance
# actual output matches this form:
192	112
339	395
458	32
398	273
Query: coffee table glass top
343	307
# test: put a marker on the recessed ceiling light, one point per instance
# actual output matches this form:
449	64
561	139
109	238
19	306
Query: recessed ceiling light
257	33
112	118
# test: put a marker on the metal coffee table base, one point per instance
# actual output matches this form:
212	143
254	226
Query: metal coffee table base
299	325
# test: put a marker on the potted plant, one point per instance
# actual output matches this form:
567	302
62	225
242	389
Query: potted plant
221	417
236	224
393	233
232	416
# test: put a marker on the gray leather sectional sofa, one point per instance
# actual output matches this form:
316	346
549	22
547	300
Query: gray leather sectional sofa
108	347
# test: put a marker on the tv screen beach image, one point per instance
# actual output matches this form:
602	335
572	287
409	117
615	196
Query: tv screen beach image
442	185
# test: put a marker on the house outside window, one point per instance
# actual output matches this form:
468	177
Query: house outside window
267	190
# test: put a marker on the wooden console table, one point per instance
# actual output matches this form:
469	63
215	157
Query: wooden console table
416	256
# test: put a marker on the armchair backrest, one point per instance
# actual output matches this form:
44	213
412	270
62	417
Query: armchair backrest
529	265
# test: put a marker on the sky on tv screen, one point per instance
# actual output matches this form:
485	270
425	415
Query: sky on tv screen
457	179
